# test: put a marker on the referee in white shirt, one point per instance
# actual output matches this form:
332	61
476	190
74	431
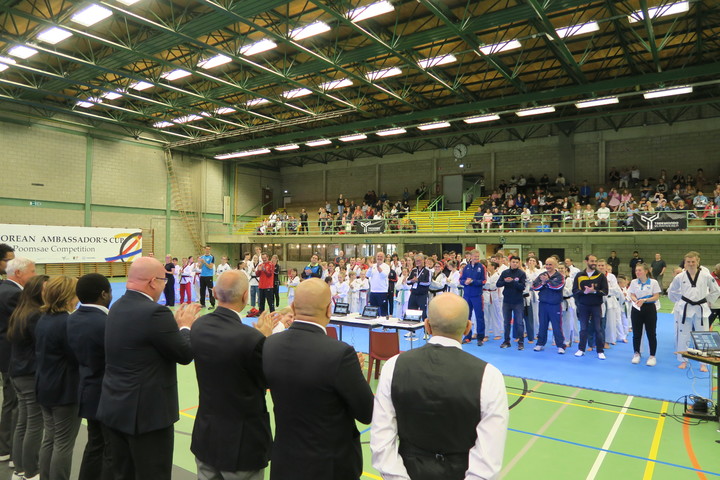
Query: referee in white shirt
377	275
462	436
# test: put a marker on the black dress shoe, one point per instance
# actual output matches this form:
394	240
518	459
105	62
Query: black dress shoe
521	346
480	343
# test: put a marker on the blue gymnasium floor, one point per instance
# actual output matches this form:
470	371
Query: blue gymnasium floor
616	374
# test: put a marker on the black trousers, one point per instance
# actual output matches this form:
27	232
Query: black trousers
276	294
206	283
590	316
418	302
646	318
265	294
97	457
376	299
147	456
170	292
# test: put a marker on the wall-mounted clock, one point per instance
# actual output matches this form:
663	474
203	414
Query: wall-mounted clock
460	151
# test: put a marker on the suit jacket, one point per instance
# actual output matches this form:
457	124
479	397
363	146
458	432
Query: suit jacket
86	337
9	296
232	427
318	392
142	346
56	373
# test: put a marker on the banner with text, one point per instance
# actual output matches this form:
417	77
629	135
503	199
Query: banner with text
370	226
660	221
51	244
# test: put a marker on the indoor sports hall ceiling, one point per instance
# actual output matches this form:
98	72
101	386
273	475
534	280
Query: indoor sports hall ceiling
334	79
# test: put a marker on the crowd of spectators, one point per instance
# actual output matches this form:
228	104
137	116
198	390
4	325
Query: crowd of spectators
515	204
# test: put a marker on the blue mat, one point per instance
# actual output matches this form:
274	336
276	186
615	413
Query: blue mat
616	374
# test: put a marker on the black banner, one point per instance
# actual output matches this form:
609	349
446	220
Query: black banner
660	221
369	226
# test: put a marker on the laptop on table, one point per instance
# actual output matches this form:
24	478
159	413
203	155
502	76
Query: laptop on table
341	309
707	342
412	316
370	312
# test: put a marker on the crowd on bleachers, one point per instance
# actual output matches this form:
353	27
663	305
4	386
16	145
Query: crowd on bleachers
520	202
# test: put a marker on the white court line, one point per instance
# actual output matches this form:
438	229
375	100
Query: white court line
608	441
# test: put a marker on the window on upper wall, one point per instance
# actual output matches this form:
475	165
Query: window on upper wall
293	252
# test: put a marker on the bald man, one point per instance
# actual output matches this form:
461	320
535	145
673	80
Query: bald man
231	438
139	399
318	392
440	413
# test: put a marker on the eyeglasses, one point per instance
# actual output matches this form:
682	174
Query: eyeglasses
164	279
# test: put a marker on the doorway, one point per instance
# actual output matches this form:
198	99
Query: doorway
544	253
267	200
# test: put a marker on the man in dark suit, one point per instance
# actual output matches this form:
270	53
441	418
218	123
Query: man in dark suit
318	391
231	438
86	337
139	399
19	270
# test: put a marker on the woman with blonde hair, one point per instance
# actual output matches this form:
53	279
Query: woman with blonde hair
57	378
21	334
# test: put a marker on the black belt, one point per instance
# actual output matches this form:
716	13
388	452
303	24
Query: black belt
691	302
412	450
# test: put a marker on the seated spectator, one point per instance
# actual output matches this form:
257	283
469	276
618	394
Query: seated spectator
600	196
700	201
710	214
613	176
646	189
477	220
573	193
626	197
487	220
603	216
613	199
635	175
577	216
716	194
588	216
521	183
585	192
560	181
624	178
556	219
661	186
544	181
678	178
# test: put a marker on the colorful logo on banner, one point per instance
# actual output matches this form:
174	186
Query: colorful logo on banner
130	248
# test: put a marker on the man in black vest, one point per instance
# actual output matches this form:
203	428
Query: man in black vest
440	413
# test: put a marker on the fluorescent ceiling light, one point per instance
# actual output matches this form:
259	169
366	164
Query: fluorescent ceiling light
140	86
283	148
597	102
661	11
391	131
224	110
256	101
353	138
387	72
91	15
318	143
579	29
435	61
215	61
53	35
482	118
257	47
175	74
111	95
433	125
187	118
5	63
369	11
668	92
500	47
163	124
129	2
84	103
311	30
21	51
246	153
298	92
526	112
334	84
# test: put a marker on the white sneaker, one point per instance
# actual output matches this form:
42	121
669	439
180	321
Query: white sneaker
601	356
561	351
579	353
17	476
539	348
4	458
636	359
651	362
409	334
36	477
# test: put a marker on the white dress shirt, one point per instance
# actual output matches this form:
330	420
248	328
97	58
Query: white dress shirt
378	277
485	457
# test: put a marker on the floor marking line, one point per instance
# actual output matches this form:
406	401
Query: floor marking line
630	455
366	474
608	441
655	445
585	406
187	415
690	451
509	466
189	408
